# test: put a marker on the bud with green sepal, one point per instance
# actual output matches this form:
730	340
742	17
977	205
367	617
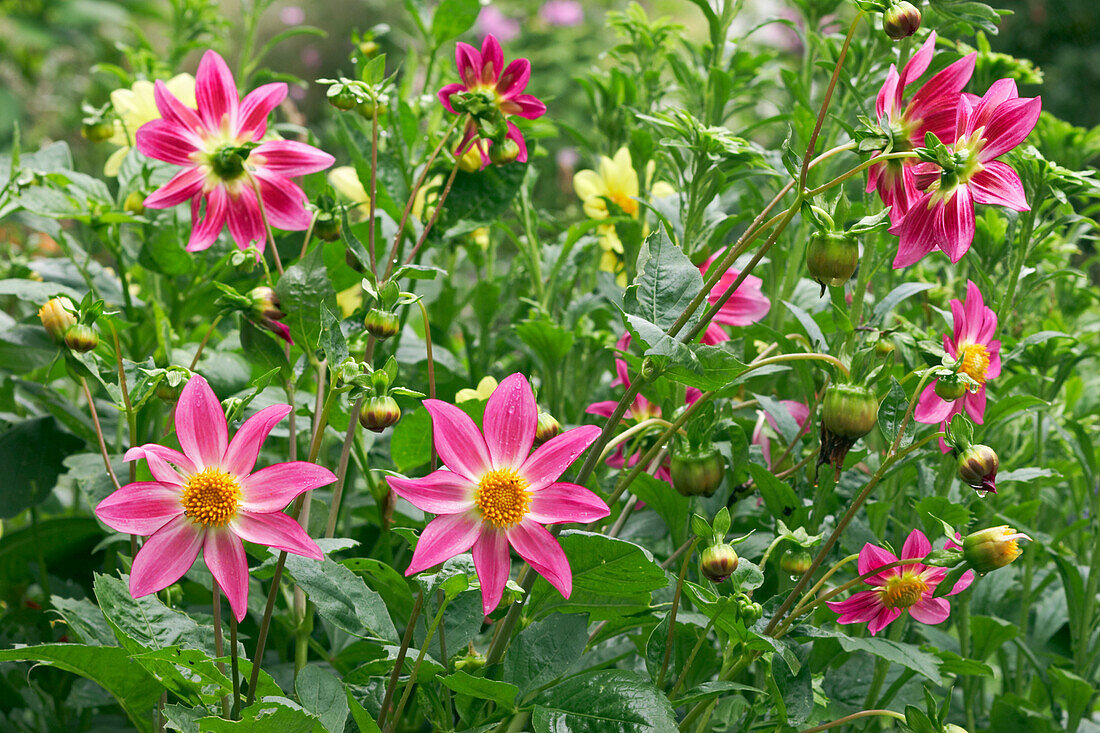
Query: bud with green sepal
795	561
546	428
382	324
696	473
81	337
978	468
717	562
379	413
97	125
849	411
901	20
265	311
58	315
327	220
992	548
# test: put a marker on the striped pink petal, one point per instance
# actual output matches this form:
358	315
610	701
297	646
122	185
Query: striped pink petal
930	610
271	489
205	230
215	90
245	223
200	424
493	564
224	555
511	417
166	556
173	456
277	530
173	110
284	202
184	186
256	106
443	538
561	502
440	492
550	460
999	185
458	441
290	158
241	455
543	553
163	140
140	508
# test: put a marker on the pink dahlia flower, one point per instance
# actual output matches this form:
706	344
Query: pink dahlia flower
218	145
760	437
980	353
564	13
484	72
985	129
747	305
494	492
931	109
907	587
208	498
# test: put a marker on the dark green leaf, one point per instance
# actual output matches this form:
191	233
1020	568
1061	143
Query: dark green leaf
411	444
891	412
896	296
605	701
453	18
665	285
302	288
342	597
545	650
323	694
32	454
502	693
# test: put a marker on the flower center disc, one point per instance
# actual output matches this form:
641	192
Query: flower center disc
903	591
502	497
211	497
624	202
975	362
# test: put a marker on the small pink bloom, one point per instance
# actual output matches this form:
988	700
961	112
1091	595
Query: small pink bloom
484	71
973	342
491	21
985	129
747	305
208	498
218	146
931	109
907	587
494	492
564	13
760	437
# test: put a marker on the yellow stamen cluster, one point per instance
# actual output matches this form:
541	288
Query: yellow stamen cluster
624	202
975	362
903	591
211	497
502	497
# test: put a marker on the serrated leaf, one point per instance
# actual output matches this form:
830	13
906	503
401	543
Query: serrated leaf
604	701
342	597
665	285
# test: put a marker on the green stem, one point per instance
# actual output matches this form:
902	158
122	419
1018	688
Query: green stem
1017	266
416	665
342	469
854	716
691	658
435	213
235	713
391	686
219	648
267	226
672	613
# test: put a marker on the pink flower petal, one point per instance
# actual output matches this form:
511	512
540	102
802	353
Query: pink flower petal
173	110
963	583
942	90
1000	186
930	610
443	538
493	564
245	223
206	230
224	555
884	618
166	556
252	118
511	417
551	458
440	492
215	90
563	502
886	103
974	402
920	61
492	60
524	105
445	93
918	232
999	92
289	158
468	61
240	457
516	136
714	334
860	608
1009	125
184	186
958	224
163	472
140	508
284	202
277	530
514	79
543	553
872	557
916	546
603	409
271	489
173	456
458	441
200	424
931	408
162	140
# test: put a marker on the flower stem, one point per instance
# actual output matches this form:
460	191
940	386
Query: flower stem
630	432
342	470
373	188
400	660
99	433
267	225
672	614
219	648
854	716
416	665
435	213
235	713
691	658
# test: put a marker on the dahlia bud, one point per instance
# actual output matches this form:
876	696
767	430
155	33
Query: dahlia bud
950	388
992	548
470	160
134	203
884	347
167	393
831	258
795	562
327	226
378	413
901	20
504	152
381	324
952	728
471	661
978	468
718	562
697	474
266	311
343	98
80	337
848	413
370	108
546	428
57	317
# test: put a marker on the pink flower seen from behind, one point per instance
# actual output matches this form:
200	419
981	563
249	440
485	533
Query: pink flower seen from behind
903	588
484	72
495	493
747	305
799	411
208	498
973	342
224	161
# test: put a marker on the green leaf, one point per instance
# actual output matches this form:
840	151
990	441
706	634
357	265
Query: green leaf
332	338
272	715
411	443
935	510
895	297
66	541
712	689
604	701
85	620
391	585
670	505
891	412
550	342
665	285
262	350
146	623
453	18
110	667
778	496
1075	693
342	597
32	453
323	694
502	693
362	719
611	577
987	634
796	691
813	331
302	288
545	650
906	655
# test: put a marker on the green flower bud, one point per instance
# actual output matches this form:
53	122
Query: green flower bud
97	131
718	562
795	561
546	428
504	152
831	258
381	324
378	413
134	203
344	99
327	226
697	474
992	548
978	468
950	388
57	317
81	337
901	20
849	411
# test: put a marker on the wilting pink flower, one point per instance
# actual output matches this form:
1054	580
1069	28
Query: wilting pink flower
985	129
798	411
490	20
565	13
973	342
484	73
931	109
208	498
219	147
747	305
494	492
907	587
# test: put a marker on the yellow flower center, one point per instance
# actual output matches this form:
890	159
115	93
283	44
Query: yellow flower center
624	202
902	591
211	497
975	362
502	497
